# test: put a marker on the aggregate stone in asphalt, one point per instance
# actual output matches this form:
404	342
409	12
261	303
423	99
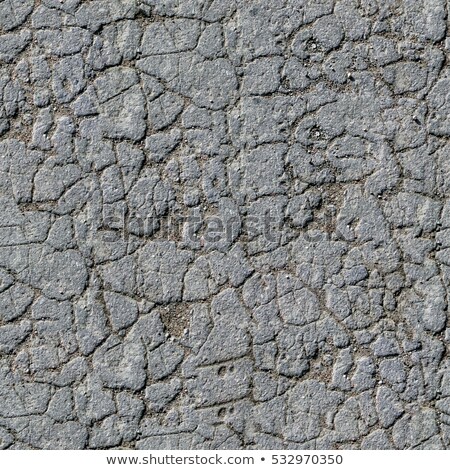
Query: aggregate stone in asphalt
224	224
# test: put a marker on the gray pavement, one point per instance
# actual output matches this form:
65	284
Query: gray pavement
224	224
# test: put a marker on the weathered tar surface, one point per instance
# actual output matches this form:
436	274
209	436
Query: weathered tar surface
224	224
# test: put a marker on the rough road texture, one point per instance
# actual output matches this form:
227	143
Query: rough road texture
326	327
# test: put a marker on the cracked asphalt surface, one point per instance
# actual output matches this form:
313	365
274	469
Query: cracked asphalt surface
224	224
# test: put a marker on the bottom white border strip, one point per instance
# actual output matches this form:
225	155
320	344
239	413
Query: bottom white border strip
180	459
